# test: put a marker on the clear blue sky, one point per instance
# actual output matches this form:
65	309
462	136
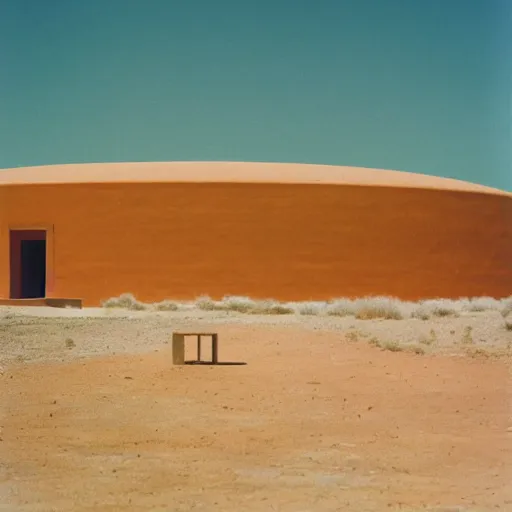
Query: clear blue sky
417	85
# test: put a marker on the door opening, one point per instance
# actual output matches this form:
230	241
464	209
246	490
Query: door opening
28	264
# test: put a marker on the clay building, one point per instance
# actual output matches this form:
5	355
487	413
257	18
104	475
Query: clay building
286	231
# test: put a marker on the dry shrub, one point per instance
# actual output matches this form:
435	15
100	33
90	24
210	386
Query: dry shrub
422	312
506	307
166	305
352	336
467	338
439	308
137	305
237	304
425	309
341	307
125	301
480	353
205	303
416	349
374	342
370	308
478	304
271	307
444	309
392	346
244	305
430	340
309	308
508	325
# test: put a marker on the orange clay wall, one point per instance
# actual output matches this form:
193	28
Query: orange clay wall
289	242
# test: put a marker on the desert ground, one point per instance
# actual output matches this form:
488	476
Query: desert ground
326	414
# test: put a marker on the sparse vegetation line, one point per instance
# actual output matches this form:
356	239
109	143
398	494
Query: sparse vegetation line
365	308
426	327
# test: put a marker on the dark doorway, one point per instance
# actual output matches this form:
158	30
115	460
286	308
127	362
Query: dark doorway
28	264
33	268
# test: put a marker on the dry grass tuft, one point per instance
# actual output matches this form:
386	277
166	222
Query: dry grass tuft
370	308
237	304
478	304
480	353
374	342
506	311
506	307
467	339
244	305
309	308
421	312
341	308
70	343
416	349
443	308
352	336
256	307
125	301
429	340
205	303
139	306
438	307
166	305
392	346
271	307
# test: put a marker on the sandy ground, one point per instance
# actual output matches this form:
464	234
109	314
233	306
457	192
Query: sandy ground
93	416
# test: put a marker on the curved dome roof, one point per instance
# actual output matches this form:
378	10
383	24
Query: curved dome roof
230	172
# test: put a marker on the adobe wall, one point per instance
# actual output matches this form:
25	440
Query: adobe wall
290	242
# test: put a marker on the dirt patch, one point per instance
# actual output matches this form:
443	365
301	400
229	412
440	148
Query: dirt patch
43	334
314	421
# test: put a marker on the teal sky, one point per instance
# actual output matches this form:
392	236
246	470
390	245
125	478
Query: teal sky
416	85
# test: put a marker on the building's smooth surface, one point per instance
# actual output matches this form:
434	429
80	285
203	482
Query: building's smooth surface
287	231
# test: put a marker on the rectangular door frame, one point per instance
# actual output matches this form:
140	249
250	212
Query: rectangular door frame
50	274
